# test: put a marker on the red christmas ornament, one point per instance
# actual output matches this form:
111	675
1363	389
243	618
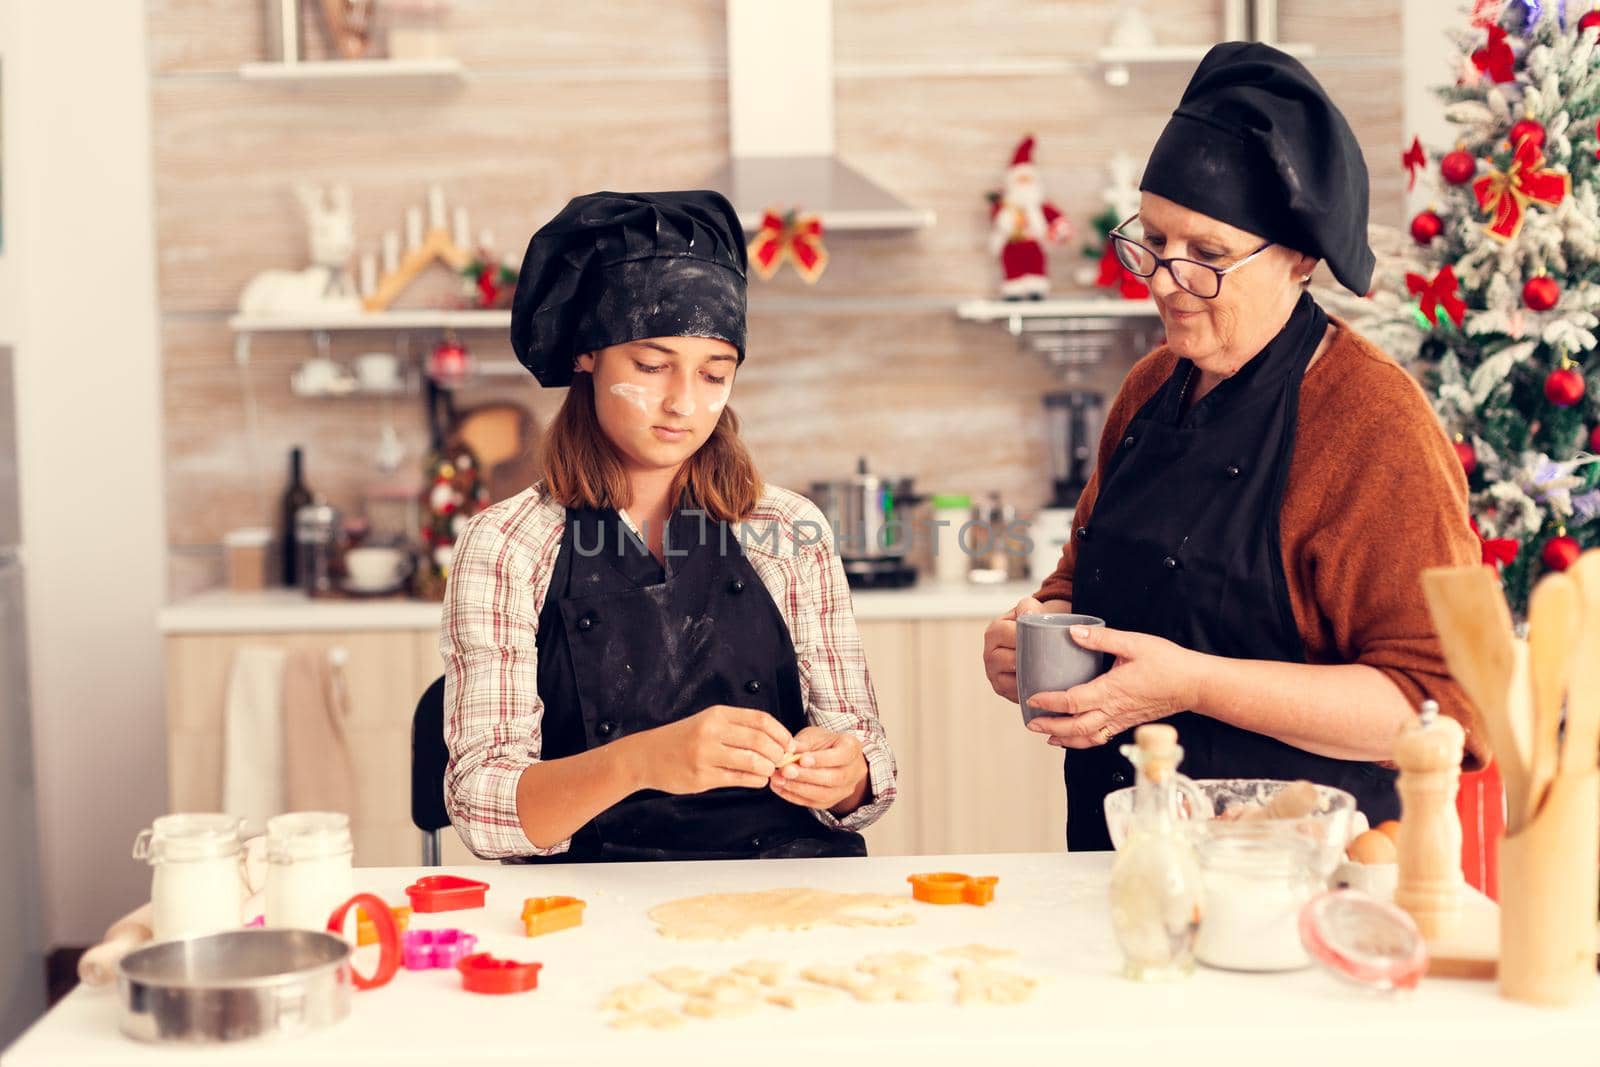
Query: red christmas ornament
1560	553
1426	226
1468	457
1590	21
1458	167
1594	440
449	364
1527	130
1564	387
1496	59
1541	292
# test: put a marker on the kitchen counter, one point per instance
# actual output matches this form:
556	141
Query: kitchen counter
1051	907
287	611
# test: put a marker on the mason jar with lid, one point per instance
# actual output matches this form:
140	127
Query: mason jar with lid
198	884
309	869
1255	880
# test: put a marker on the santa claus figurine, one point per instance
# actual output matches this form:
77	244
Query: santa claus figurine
1022	221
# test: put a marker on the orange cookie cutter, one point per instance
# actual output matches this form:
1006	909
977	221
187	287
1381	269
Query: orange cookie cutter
367	928
546	915
946	887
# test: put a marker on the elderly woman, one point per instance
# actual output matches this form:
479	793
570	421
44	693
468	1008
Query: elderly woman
1269	485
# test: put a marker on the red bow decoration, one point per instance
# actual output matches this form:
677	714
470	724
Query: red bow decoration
794	237
1507	194
1495	58
1497	551
1442	290
1113	275
1413	160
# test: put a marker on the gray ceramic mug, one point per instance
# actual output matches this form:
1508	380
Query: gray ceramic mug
1049	660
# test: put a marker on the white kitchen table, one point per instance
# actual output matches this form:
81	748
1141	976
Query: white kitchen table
1050	907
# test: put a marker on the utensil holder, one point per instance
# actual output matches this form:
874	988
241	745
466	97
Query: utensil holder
1549	897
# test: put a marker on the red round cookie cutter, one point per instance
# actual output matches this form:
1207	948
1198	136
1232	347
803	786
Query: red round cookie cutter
388	938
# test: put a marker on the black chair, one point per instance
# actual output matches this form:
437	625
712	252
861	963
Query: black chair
429	756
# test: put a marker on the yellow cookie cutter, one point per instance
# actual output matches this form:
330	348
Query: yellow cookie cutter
546	915
367	930
948	888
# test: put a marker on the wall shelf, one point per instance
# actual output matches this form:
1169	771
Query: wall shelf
1116	63
405	319
1059	316
354	71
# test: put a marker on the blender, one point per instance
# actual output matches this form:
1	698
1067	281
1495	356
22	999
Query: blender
1073	421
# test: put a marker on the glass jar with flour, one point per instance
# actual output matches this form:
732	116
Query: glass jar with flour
309	870
1256	880
198	883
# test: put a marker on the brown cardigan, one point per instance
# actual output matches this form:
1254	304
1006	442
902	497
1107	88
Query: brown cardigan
1375	495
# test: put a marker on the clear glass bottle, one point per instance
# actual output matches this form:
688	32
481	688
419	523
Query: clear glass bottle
1155	881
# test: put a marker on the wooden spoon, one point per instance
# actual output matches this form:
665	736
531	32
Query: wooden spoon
1469	611
1555	616
1581	745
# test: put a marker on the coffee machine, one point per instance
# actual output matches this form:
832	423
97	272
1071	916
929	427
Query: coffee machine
1073	421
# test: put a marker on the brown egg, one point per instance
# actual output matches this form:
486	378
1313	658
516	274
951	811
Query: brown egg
1390	827
1374	846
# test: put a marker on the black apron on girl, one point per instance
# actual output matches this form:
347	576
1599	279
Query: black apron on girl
1183	543
626	645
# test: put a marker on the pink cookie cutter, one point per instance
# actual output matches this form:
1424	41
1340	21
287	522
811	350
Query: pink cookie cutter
428	949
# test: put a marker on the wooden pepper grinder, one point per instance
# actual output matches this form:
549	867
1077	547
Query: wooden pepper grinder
1428	753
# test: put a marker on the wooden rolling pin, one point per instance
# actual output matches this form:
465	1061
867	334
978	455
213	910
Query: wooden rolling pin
98	966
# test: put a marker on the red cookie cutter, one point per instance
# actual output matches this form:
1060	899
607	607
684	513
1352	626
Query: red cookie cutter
546	915
367	930
484	973
949	888
446	892
388	938
428	949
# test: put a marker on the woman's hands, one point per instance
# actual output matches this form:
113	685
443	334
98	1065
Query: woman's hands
1151	679
830	774
1000	644
719	747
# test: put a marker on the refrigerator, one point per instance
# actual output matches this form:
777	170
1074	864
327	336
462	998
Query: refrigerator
22	980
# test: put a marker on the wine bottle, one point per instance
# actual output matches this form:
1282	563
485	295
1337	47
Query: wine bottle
295	497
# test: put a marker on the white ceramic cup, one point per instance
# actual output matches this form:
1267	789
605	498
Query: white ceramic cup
378	370
317	376
375	568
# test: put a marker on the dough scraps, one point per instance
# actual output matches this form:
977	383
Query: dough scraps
767	972
649	1019
894	964
681	979
980	953
979	984
804	996
725	916
636	997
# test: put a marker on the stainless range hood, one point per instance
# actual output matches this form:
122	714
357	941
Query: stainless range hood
780	124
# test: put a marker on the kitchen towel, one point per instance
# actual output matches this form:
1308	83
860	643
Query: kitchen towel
252	755
318	772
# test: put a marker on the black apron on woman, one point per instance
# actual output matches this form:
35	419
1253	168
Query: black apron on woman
1183	543
627	645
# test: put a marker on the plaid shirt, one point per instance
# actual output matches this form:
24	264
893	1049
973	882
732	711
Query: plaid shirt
499	576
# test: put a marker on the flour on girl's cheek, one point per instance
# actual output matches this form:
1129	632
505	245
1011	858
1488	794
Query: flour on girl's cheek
721	400
637	395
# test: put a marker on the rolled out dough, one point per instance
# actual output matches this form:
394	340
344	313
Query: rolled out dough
725	916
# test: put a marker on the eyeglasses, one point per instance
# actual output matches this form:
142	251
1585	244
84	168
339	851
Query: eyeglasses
1193	277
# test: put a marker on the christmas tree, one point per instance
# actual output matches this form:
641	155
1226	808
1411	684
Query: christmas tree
1492	301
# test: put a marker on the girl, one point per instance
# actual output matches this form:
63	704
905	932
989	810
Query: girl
649	654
